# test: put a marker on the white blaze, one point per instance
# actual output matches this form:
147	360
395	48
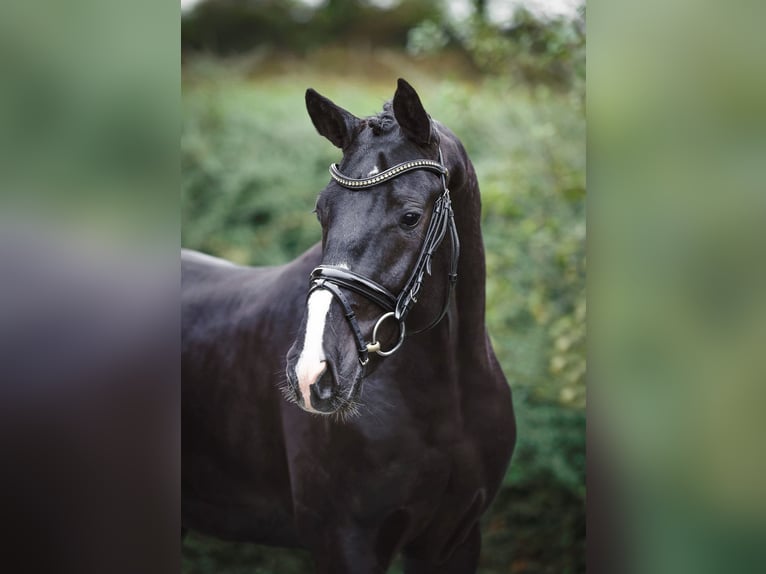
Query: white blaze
311	363
375	171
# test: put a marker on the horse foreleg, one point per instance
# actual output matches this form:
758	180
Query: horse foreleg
464	559
350	552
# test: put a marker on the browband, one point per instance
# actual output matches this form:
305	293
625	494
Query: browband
390	173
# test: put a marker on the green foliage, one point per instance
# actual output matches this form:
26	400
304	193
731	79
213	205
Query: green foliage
226	27
245	180
426	38
203	555
530	48
252	167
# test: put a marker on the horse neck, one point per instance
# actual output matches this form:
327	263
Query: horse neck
463	332
459	345
470	293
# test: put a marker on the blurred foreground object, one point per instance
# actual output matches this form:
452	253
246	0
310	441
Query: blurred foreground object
89	398
89	424
678	124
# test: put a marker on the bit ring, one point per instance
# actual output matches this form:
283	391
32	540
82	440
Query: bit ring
374	347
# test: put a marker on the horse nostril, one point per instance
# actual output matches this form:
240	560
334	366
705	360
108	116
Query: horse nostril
323	388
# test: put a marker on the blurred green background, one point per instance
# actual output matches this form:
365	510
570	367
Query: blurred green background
508	79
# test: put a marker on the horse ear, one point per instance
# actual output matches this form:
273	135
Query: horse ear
331	121
410	114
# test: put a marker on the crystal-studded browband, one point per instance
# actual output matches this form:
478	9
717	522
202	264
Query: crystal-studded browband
397	170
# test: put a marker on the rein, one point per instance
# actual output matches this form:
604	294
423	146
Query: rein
397	307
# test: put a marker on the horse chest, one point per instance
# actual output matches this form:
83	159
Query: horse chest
368	475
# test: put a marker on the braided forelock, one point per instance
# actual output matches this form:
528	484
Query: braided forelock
384	121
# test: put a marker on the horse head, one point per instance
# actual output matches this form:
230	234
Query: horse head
384	214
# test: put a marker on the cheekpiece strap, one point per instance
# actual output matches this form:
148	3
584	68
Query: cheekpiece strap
397	170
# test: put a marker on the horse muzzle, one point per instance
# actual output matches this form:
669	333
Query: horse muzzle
315	386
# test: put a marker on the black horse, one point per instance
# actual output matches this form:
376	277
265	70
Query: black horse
386	454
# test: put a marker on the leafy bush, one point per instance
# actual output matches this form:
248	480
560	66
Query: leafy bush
226	27
531	48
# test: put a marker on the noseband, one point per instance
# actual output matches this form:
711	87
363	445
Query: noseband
396	307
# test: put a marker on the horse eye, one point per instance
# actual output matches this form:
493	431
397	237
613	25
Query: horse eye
410	219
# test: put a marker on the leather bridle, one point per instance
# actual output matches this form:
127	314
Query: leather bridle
337	279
